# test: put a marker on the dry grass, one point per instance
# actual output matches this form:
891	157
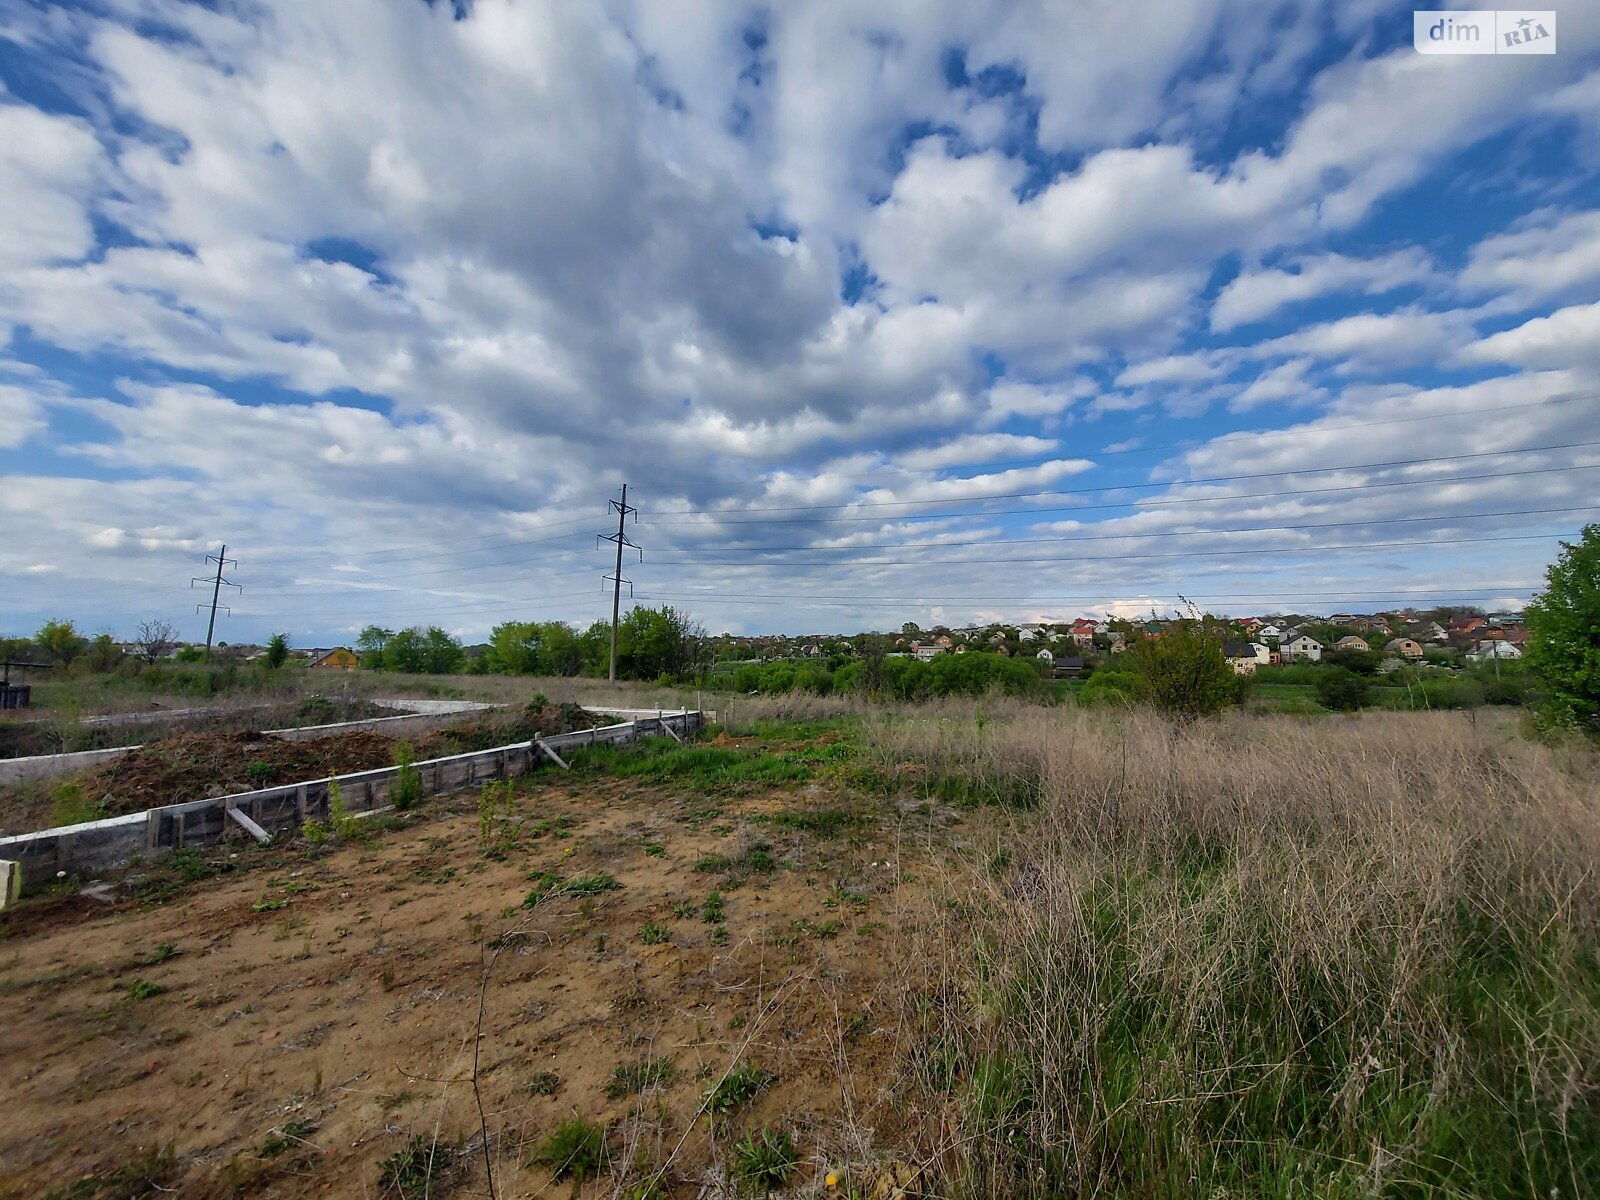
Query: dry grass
1261	958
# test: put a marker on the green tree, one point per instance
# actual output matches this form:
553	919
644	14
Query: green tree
1183	673
277	650
371	644
61	640
403	651
514	648
103	654
1341	690
441	653
652	642
1564	632
1362	662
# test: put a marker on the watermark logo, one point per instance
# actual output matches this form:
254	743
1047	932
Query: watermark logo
1484	31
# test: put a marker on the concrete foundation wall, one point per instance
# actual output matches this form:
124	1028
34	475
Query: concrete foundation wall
99	846
430	716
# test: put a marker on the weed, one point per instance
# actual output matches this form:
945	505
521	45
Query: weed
819	822
543	1083
684	909
575	1150
742	1084
647	1072
719	935
559	827
314	831
143	989
550	886
270	904
406	787
634	997
706	767
193	868
764	1159
711	912
160	954
260	773
149	1174
69	806
655	934
757	858
286	1137
341	821
417	1170
654	849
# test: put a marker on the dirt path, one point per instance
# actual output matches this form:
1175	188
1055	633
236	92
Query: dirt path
284	1028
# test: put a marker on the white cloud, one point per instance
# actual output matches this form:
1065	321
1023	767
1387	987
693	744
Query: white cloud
48	166
1174	368
1373	341
1554	255
1285	383
1016	398
21	416
975	448
1256	294
606	243
1567	338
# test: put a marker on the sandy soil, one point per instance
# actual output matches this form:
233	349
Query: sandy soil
288	1025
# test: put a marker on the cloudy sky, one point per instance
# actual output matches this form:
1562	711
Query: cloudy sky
903	311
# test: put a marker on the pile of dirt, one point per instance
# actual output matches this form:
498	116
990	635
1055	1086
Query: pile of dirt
192	766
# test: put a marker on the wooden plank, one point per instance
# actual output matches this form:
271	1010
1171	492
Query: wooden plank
554	757
667	728
250	827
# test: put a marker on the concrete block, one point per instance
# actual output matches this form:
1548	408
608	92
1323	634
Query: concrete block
10	883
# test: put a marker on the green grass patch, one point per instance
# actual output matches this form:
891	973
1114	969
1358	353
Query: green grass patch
422	1168
757	858
628	1079
819	822
547	885
741	1085
575	1150
764	1159
543	1083
704	766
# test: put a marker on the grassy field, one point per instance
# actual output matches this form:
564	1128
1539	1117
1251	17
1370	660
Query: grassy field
68	698
956	950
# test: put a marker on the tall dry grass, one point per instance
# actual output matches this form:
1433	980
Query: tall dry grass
1260	957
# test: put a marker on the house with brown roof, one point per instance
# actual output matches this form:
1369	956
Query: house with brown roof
1403	647
341	658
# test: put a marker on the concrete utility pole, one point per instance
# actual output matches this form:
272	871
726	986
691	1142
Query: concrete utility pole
221	559
621	539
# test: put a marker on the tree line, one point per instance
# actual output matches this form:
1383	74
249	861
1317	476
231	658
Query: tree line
652	644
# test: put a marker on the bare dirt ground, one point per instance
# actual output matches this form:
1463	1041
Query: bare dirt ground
287	1026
